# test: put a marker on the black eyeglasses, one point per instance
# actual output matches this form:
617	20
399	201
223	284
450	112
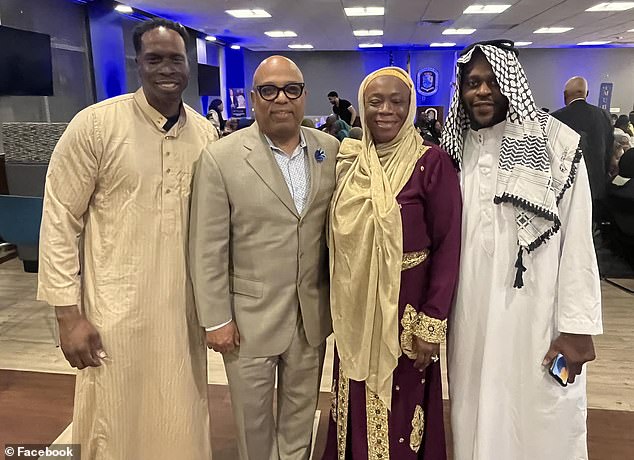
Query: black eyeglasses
271	92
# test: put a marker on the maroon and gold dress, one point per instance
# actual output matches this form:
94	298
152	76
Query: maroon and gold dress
361	427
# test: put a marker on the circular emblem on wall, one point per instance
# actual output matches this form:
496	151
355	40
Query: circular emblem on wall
427	81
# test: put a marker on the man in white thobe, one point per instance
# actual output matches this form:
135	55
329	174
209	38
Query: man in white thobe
113	247
529	284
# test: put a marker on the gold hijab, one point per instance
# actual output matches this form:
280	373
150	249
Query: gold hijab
366	246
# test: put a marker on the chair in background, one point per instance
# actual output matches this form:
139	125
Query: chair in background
27	148
20	224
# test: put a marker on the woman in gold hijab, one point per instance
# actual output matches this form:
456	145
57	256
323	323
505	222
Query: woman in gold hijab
394	252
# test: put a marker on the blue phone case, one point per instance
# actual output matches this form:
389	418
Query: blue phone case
559	371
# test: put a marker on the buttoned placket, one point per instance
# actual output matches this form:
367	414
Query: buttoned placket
482	144
170	197
171	164
485	167
295	170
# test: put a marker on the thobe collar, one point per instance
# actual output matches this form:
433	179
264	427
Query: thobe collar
156	117
492	133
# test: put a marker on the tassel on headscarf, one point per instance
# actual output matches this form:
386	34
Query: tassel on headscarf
519	274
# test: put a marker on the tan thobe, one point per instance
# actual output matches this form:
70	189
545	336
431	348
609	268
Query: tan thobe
118	180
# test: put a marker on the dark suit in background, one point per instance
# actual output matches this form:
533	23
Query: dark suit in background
621	206
595	127
626	164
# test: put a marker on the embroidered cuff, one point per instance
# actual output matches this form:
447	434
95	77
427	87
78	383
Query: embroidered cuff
429	329
412	259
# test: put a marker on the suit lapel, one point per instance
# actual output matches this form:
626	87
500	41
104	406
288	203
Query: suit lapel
261	159
315	168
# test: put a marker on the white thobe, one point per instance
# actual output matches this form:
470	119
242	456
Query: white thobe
504	404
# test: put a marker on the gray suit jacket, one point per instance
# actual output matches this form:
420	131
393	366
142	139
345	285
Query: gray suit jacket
252	257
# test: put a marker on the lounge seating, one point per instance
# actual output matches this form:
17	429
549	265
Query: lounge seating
28	148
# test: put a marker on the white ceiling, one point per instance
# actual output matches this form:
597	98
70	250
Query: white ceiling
323	23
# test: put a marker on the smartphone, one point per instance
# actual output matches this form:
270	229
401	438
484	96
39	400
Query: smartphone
559	371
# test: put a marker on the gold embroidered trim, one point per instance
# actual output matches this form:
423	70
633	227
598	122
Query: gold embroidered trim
412	259
408	321
418	428
376	415
342	414
333	400
429	329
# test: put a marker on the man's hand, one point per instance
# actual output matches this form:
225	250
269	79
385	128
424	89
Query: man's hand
80	341
578	349
225	339
424	353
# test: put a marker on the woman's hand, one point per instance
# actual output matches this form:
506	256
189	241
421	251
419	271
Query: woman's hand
426	353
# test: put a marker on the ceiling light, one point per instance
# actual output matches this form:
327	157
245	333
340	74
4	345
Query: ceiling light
612	6
594	43
246	14
442	44
235	47
370	45
280	33
631	30
301	47
458	31
552	30
486	9
124	9
523	43
210	38
367	33
365	11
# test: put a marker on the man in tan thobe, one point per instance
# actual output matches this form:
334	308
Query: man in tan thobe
259	264
112	262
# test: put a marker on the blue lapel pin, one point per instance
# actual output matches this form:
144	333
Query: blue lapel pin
320	155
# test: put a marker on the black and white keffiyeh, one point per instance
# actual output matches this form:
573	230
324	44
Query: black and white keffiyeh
538	157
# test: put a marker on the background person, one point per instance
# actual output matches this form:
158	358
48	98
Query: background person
215	115
342	108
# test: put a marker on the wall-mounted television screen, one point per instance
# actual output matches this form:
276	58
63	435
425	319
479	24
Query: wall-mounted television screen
26	67
208	80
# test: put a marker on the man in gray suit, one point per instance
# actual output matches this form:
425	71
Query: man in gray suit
259	263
